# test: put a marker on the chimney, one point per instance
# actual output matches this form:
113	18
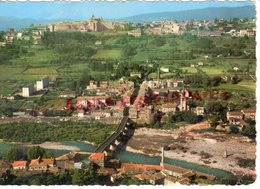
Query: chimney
162	157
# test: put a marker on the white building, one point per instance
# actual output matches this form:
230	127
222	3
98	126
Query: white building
27	91
42	83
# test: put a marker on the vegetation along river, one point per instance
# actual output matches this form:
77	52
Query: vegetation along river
127	157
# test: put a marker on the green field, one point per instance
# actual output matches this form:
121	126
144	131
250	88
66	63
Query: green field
40	71
108	54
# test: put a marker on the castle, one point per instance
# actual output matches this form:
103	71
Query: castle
92	25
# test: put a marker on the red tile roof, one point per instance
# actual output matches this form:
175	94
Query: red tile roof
19	163
42	162
97	156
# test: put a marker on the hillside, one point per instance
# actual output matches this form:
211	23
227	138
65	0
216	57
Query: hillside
199	14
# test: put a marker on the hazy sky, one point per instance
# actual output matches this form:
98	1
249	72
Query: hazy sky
109	10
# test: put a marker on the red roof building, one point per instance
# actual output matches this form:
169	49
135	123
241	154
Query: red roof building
41	164
98	158
19	165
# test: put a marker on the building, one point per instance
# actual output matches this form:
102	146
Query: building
247	32
43	83
98	158
10	36
235	118
27	91
18	165
67	161
41	164
168	107
198	110
138	74
164	69
92	85
249	113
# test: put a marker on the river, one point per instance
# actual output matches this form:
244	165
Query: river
125	156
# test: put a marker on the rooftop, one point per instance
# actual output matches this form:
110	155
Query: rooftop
19	163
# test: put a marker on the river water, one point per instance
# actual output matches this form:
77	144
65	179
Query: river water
127	157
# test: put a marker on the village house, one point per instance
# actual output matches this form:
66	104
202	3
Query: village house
10	36
198	110
138	74
18	165
92	85
27	91
41	164
98	158
247	32
249	113
235	118
67	161
164	69
168	107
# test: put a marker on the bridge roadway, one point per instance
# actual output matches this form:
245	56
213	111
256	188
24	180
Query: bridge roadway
114	136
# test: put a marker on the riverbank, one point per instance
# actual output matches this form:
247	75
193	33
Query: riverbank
206	149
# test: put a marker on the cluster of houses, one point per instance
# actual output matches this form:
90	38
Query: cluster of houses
163	174
51	165
165	27
239	117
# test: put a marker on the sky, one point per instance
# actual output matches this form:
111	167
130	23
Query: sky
108	10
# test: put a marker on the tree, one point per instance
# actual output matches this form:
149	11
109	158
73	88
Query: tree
234	129
84	176
159	41
128	51
35	152
15	154
249	130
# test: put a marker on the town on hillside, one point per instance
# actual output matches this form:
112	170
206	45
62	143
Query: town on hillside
162	103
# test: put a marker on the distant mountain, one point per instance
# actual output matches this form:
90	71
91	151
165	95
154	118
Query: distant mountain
18	23
199	14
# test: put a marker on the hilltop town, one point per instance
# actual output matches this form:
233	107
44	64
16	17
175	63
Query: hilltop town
177	90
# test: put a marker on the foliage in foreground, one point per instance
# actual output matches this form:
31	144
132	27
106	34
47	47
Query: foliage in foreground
55	131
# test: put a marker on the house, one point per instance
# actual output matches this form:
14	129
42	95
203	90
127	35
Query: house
168	107
67	161
200	63
249	113
170	180
235	68
164	69
235	118
103	84
198	110
192	65
41	164
43	83
173	170
98	158
138	74
98	43
156	178
27	91
18	165
92	85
